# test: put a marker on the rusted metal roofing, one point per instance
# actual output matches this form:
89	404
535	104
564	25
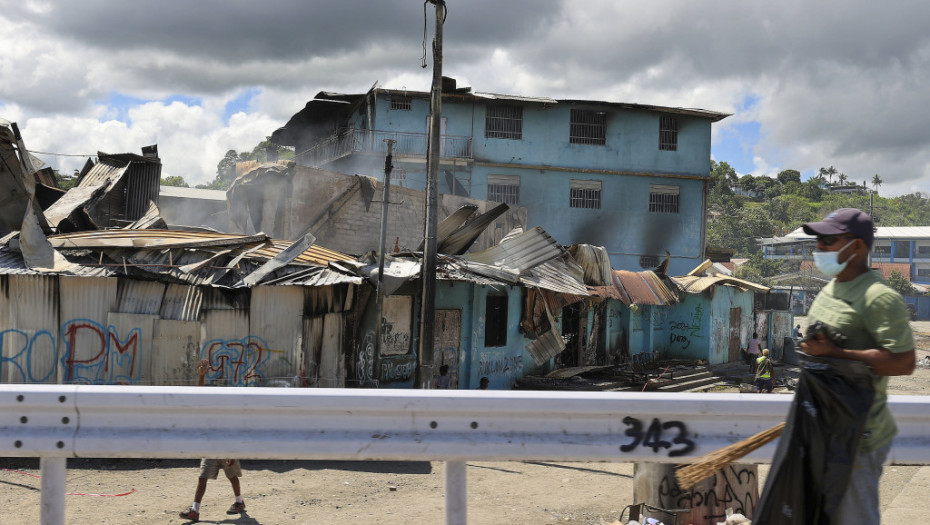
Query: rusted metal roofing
695	284
643	288
163	239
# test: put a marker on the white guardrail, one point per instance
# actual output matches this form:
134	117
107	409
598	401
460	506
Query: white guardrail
55	422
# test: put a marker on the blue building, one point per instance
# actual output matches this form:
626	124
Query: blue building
629	177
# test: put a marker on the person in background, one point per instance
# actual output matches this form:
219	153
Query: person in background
797	332
210	469
483	383
753	350
872	316
764	381
443	382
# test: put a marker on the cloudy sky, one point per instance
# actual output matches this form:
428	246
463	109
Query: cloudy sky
810	83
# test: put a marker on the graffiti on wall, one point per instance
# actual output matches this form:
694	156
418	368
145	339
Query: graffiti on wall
32	358
734	487
500	364
237	362
682	334
398	370
365	361
396	322
95	354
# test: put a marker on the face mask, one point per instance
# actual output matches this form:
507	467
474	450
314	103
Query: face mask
828	262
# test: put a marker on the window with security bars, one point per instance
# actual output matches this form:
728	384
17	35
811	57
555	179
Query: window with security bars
504	188
401	102
923	250
588	127
664	199
585	194
668	133
649	261
923	272
503	121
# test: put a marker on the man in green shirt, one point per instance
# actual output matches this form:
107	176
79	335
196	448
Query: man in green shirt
861	305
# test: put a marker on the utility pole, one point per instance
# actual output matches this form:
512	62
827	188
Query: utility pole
385	202
428	302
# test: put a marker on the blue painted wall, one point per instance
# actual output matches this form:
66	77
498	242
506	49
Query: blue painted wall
623	223
502	365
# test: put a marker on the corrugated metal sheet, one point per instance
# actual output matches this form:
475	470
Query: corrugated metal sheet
181	303
643	288
276	313
695	284
106	170
29	347
225	345
84	303
139	297
562	275
595	262
522	252
175	352
128	359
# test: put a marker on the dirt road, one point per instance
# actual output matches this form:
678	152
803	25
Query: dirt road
319	492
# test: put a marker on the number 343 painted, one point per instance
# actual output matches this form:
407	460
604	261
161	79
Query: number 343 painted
652	437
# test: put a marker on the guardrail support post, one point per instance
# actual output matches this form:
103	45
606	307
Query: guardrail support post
53	491
456	493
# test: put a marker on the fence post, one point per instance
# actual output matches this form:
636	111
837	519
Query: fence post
456	493
53	491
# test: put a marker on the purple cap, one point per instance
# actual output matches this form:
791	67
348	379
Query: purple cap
850	221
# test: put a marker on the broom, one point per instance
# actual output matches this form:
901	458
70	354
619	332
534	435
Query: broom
704	466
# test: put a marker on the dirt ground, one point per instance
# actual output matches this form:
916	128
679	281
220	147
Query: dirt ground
327	492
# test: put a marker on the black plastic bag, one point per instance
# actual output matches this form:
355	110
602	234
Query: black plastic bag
817	450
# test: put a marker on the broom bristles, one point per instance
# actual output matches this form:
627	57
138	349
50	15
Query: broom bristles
704	466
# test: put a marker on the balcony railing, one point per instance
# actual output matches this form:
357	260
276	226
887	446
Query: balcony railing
352	140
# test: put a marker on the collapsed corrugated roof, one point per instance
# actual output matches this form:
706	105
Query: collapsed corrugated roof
201	258
643	288
697	284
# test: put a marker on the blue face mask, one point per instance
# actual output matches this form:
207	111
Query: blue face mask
828	262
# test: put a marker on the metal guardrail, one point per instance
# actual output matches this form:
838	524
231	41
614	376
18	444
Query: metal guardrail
354	140
54	422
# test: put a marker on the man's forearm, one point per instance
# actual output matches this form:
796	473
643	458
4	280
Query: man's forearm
883	362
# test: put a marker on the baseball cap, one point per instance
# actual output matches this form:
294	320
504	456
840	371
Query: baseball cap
850	221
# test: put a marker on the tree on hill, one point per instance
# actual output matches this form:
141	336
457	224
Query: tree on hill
876	182
786	176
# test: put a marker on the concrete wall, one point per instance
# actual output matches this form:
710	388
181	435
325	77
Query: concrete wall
623	224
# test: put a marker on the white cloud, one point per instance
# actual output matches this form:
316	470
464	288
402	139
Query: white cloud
833	82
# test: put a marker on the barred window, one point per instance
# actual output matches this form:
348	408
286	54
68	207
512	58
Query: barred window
504	188
503	121
664	199
923	250
649	261
585	194
401	102
588	127
668	133
882	251
923	272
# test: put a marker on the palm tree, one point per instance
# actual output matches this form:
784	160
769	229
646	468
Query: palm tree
876	182
842	178
831	171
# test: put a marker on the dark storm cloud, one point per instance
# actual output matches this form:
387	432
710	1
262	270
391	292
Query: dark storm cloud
236	30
